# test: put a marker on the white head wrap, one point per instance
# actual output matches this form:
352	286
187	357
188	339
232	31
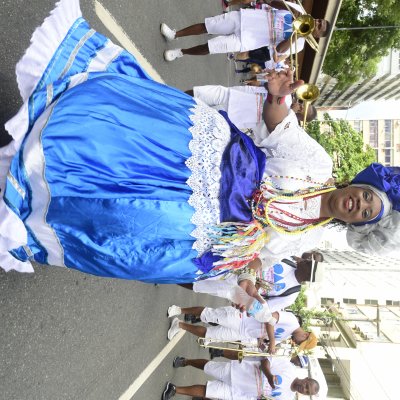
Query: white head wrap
381	238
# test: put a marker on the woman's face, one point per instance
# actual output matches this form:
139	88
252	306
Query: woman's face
353	204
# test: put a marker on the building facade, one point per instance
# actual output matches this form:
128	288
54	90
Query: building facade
359	349
383	135
384	85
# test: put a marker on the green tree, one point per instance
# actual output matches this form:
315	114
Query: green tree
300	309
355	54
345	146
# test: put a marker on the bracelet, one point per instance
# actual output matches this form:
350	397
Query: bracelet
279	100
248	274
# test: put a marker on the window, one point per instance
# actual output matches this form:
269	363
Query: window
371	302
388	156
358	125
373	133
349	301
327	300
388	126
392	303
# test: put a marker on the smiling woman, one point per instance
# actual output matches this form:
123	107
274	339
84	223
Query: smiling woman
379	232
116	175
352	204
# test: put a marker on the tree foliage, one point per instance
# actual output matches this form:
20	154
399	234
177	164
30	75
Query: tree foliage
355	54
345	146
299	308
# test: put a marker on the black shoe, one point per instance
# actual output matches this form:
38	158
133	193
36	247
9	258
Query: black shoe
192	318
179	362
169	391
216	353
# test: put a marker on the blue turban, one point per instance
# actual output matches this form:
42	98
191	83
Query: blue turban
386	180
381	236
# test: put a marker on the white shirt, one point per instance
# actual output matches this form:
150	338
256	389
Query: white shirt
291	152
248	379
285	326
259	28
282	277
251	328
245	105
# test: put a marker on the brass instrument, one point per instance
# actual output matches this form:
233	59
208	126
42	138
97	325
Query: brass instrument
303	26
241	350
255	68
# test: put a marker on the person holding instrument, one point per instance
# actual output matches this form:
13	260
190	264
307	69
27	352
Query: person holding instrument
239	31
271	378
113	174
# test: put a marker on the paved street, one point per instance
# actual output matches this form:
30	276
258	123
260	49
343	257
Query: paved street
65	335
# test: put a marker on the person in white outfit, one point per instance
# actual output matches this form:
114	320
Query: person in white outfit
249	380
239	31
279	283
244	104
233	325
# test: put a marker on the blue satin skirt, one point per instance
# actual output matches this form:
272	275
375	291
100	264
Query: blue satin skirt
115	155
100	179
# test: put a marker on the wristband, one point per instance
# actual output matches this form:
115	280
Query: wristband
279	100
249	274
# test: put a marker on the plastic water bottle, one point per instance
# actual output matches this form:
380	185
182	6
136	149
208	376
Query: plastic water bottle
260	311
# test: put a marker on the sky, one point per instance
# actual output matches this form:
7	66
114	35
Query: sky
380	109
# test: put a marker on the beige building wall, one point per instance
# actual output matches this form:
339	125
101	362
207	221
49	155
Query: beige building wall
383	135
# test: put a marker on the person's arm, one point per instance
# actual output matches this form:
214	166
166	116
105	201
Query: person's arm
239	2
266	369
283	46
279	5
271	334
279	85
247	280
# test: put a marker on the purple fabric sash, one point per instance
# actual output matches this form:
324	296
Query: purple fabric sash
242	167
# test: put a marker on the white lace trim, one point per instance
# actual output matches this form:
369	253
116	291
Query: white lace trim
211	134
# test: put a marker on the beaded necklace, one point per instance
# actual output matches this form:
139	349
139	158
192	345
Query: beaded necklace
263	208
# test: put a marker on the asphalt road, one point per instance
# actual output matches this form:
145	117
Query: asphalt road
65	335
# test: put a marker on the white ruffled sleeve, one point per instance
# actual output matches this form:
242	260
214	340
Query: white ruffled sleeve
291	152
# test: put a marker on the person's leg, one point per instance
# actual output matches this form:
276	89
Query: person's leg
229	354
173	54
196	29
198	363
242	56
194	390
200	50
228	317
193	310
199	331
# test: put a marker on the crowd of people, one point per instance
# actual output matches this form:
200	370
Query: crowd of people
113	174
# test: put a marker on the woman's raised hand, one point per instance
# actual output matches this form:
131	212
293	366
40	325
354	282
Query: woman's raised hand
281	83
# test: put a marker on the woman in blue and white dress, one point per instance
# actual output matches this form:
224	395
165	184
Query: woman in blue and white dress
116	175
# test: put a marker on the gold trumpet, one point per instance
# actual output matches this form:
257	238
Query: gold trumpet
241	350
303	26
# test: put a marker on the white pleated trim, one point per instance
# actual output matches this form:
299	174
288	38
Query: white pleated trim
32	65
44	42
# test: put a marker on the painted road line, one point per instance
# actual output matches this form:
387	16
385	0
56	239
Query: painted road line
141	379
111	24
